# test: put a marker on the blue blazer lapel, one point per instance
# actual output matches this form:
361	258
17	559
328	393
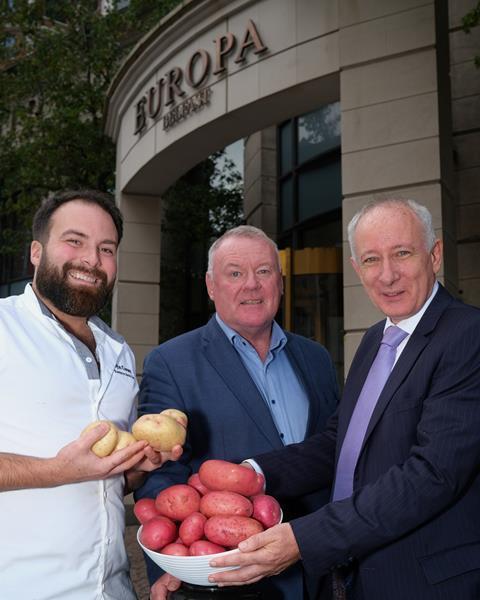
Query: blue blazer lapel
295	356
314	391
227	363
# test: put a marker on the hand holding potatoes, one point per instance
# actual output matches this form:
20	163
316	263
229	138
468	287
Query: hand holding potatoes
76	462
163	431
107	443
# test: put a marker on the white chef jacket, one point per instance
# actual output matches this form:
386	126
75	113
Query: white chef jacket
66	542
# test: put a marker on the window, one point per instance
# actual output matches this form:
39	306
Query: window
310	227
310	175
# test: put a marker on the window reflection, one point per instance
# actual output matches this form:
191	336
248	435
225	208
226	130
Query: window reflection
318	131
310	227
286	147
319	191
286	203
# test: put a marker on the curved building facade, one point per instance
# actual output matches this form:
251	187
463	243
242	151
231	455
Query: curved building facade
339	102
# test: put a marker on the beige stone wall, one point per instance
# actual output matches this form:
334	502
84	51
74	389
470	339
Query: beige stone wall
391	128
394	73
136	303
297	71
465	82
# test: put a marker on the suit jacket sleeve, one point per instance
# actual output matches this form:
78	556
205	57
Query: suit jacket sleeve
158	391
439	401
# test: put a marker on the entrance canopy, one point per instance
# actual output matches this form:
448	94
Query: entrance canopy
213	72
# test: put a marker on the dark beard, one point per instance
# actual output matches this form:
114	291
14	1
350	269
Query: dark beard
53	285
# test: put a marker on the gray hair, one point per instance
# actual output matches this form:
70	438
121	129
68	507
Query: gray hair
242	231
420	211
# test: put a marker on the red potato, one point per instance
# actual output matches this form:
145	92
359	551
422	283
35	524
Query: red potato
203	547
194	481
191	528
231	530
221	475
175	549
225	503
266	510
178	501
145	510
261	484
158	532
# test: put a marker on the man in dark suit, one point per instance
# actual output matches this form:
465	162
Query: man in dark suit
404	520
246	385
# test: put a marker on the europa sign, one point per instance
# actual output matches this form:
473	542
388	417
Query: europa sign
170	92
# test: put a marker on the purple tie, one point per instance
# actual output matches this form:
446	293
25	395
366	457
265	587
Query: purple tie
372	388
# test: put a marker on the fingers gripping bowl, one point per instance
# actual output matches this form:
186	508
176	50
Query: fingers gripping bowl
183	541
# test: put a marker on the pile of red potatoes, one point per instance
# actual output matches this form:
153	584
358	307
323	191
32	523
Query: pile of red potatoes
214	511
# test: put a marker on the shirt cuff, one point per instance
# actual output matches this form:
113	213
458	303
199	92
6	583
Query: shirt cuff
257	468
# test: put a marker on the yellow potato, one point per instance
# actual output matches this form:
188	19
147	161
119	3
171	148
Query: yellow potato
176	414
160	431
107	443
125	438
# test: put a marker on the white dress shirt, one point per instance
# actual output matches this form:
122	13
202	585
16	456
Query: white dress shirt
62	543
409	324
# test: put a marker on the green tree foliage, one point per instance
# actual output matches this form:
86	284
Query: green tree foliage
200	207
470	20
57	59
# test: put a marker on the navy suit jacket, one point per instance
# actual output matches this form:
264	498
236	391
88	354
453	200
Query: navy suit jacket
201	374
411	529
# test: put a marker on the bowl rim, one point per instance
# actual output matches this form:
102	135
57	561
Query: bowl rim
167	556
186	558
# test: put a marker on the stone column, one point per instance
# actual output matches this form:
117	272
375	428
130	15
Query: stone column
466	137
136	302
394	128
260	180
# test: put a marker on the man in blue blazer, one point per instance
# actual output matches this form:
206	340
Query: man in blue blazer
410	527
246	386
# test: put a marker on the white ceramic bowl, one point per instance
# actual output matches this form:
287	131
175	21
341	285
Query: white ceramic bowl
191	569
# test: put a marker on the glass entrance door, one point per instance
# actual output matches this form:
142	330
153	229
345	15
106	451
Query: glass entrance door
313	297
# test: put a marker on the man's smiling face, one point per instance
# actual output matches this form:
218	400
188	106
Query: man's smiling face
77	265
392	261
246	284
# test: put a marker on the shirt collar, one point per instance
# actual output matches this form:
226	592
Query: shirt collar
37	303
409	324
278	338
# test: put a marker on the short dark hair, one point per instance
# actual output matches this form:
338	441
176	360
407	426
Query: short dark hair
42	219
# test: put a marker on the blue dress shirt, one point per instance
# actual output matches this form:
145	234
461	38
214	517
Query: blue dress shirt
276	381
